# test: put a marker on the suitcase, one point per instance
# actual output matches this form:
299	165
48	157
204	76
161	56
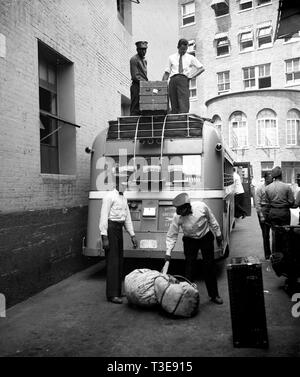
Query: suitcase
247	307
154	97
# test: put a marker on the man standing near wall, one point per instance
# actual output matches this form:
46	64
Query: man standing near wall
182	67
114	215
138	71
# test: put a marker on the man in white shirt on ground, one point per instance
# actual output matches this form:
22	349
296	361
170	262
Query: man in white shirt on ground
182	67
114	215
196	221
239	193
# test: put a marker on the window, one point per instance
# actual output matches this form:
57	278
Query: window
239	130
223	81
293	128
188	13
217	121
245	4
266	166
292	71
266	128
192	47
264	35
257	77
290	171
221	7
57	135
222	44
264	76
293	37
246	39
193	88
263	2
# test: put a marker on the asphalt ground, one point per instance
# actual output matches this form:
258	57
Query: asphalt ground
73	318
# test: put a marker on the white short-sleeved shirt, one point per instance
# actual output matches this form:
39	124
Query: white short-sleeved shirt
190	64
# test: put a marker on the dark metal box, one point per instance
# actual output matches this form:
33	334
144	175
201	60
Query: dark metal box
247	306
154	96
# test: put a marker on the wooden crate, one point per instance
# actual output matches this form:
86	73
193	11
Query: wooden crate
154	96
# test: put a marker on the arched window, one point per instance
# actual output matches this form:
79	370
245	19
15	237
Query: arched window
239	130
267	133
217	122
293	127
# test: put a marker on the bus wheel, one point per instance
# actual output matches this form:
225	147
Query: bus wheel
226	253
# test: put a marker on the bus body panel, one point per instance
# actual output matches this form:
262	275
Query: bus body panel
151	230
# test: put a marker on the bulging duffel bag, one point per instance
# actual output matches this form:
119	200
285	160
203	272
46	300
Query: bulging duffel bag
179	298
139	287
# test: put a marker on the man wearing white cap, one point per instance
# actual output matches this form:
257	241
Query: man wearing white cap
196	221
138	71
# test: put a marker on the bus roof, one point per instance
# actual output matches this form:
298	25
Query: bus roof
156	127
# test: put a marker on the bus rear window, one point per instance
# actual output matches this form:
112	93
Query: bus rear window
150	173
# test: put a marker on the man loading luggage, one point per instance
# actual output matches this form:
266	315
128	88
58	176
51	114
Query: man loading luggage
196	220
138	71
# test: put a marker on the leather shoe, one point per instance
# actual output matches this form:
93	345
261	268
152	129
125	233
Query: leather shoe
217	300
115	300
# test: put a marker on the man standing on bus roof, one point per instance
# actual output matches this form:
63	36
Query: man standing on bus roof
181	68
114	215
196	220
138	71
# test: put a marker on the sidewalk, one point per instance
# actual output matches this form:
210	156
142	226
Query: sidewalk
73	318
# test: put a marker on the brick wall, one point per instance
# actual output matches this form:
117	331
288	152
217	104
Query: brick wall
250	102
88	33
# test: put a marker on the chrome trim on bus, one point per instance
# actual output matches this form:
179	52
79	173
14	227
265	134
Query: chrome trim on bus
165	195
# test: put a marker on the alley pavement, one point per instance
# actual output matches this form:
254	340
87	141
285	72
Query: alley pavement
73	318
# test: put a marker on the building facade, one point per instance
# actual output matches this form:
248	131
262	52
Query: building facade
251	83
64	72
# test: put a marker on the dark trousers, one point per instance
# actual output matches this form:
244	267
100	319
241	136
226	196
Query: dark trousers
265	229
135	98
179	94
114	259
280	217
191	248
239	209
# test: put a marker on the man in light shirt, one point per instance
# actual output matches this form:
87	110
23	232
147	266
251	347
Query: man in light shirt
196	221
182	67
239	194
114	215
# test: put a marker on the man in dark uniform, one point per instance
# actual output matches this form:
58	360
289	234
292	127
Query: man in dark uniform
279	200
138	71
114	215
261	213
196	221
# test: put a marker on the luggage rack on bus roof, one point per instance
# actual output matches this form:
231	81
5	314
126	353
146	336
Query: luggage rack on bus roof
156	127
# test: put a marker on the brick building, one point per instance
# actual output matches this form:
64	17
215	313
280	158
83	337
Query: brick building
64	72
251	86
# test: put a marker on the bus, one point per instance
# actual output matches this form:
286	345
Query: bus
157	157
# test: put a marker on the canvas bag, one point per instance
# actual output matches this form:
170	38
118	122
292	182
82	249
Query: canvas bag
179	298
139	287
